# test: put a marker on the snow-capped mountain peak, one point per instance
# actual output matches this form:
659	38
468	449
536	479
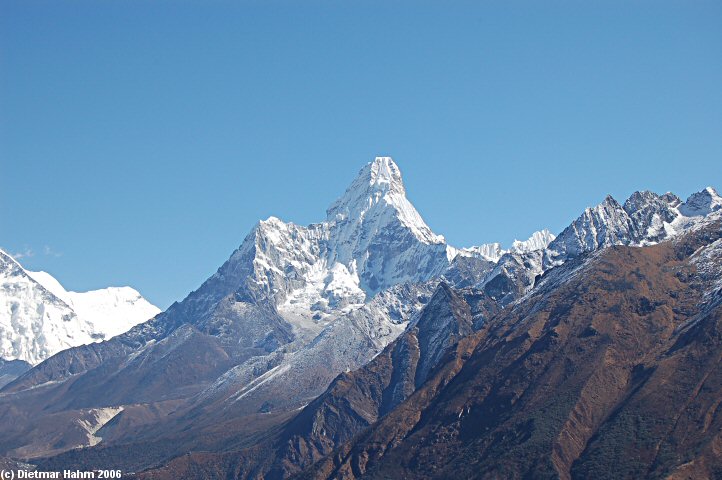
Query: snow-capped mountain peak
701	203
538	241
111	311
646	218
605	224
639	200
373	239
385	174
39	318
376	197
491	252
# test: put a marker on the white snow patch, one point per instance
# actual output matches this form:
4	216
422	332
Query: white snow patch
275	371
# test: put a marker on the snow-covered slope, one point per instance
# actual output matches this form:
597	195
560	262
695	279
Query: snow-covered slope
111	310
492	252
39	318
702	203
538	241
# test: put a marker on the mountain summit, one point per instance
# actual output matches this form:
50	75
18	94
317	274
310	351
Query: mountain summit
377	234
702	203
382	175
378	192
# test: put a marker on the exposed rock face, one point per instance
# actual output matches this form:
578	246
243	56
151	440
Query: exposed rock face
358	399
702	203
467	270
442	323
12	369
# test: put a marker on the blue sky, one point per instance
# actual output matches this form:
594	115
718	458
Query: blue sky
140	141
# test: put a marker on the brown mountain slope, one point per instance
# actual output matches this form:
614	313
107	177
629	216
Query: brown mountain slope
355	399
358	399
609	369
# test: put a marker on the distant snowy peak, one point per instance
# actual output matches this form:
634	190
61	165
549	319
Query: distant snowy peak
493	251
488	251
111	311
39	318
34	323
538	241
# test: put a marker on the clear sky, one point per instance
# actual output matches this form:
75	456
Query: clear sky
141	140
